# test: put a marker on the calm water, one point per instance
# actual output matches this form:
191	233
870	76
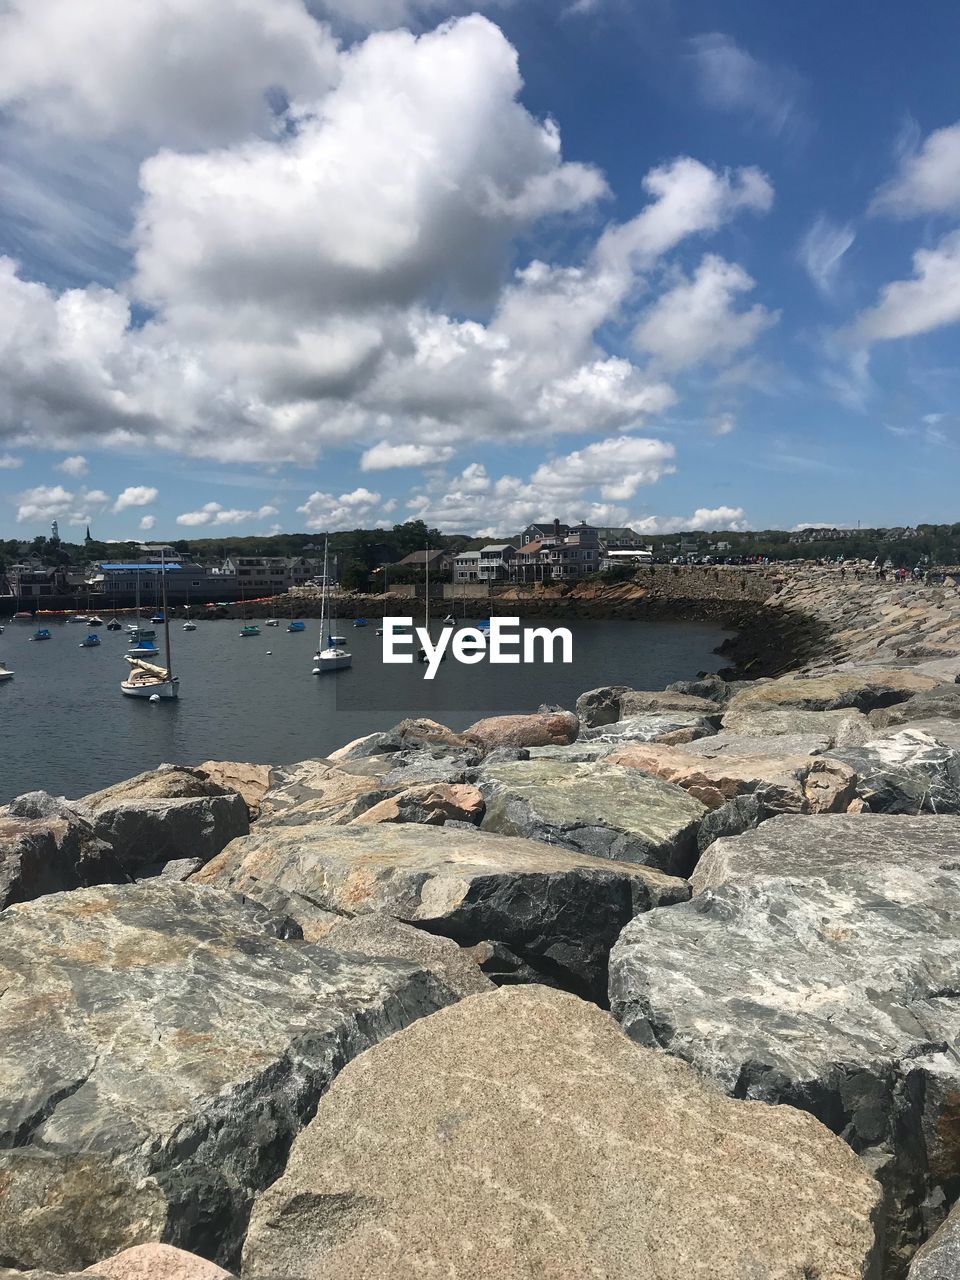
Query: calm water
66	728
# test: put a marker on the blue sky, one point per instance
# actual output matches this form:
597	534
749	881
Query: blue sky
270	265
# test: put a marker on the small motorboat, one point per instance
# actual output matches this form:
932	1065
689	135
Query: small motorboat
249	629
94	621
42	633
90	642
114	625
157	617
296	626
272	622
78	618
142	633
189	626
359	622
143	650
5	673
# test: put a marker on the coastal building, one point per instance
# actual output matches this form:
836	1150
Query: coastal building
439	562
575	555
466	566
32	581
536	532
495	562
620	538
120	582
271	575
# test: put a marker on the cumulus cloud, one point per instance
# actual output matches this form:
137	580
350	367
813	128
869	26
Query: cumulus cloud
731	79
54	502
9	462
695	321
383	456
928	178
162	68
212	513
821	252
618	467
147	523
704	519
359	509
930	300
137	495
75	465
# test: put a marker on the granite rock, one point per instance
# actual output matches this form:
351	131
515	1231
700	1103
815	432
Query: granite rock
326	791
617	702
939	1259
602	809
863	690
252	781
942	702
144	832
549	1147
907	772
380	935
160	1045
158	1262
433	803
542	729
651	726
46	846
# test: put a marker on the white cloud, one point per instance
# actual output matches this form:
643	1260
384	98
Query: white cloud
928	301
821	252
54	502
705	519
147	523
137	495
618	467
724	425
10	462
174	70
212	513
383	456
357	510
75	465
928	180
731	79
695	321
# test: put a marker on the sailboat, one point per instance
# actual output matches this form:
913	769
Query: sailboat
147	680
248	628
5	672
334	657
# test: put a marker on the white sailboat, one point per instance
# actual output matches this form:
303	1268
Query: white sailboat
334	657
147	680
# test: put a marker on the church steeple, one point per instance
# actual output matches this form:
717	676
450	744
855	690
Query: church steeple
87	540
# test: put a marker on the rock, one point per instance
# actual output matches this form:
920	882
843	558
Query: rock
742	813
818	965
618	702
649	727
907	772
47	846
939	1259
786	721
158	1262
410	768
319	791
711	687
168	782
252	781
547	1147
160	1045
864	690
560	911
544	729
787	784
602	809
940	703
180	869
737	744
504	967
379	935
407	735
144	832
578	753
432	803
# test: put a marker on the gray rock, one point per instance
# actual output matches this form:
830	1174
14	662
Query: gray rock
545	1146
160	1046
326	791
712	687
939	1259
907	772
737	744
379	935
940	703
417	734
560	911
149	831
47	846
618	702
168	782
846	724
578	753
604	810
863	688
742	813
649	727
819	965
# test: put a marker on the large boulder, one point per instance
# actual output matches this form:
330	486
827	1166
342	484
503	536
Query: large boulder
651	726
843	727
941	702
168	782
602	809
160	1045
433	803
939	1259
142	1262
146	833
560	911
415	734
818	965
862	689
906	772
787	784
380	935
541	729
252	781
327	791
617	701
738	744
47	846
545	1146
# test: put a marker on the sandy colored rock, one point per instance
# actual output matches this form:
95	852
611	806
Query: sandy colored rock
541	729
548	1147
323	791
380	935
158	1262
845	723
863	690
432	803
603	809
168	782
560	910
252	781
788	784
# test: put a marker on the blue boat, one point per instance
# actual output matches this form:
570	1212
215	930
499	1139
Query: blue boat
141	633
41	634
297	626
157	617
91	641
359	622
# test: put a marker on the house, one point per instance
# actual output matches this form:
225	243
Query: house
530	562
439	562
620	538
466	566
536	532
575	555
495	562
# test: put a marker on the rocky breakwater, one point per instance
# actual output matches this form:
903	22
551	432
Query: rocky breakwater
513	1000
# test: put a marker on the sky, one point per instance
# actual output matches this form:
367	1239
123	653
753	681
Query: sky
278	265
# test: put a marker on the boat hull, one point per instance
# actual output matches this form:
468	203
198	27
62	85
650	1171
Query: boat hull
333	661
162	688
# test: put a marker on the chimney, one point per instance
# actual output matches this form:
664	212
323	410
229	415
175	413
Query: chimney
556	526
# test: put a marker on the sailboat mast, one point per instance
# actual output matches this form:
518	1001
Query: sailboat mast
426	566
166	611
323	592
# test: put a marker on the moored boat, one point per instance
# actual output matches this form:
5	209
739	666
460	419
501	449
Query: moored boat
141	633
90	642
249	629
114	625
5	672
296	626
24	615
149	681
41	633
144	649
334	657
272	622
94	621
359	622
157	617
78	618
189	626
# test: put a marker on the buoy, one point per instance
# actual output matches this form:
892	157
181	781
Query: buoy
154	697
316	671
269	651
